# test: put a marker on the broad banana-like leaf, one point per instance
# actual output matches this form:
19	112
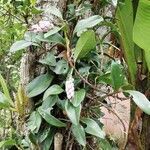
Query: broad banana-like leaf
124	17
141	30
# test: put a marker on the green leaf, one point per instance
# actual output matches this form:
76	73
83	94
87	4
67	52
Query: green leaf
124	16
61	104
54	11
20	45
61	67
42	134
141	100
49	102
39	85
5	90
50	119
117	76
79	134
4	103
90	22
78	97
52	31
46	144
34	122
85	44
93	128
49	60
73	113
56	38
141	30
6	143
105	78
53	90
31	37
33	138
105	145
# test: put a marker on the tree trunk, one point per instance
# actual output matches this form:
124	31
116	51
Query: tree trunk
29	68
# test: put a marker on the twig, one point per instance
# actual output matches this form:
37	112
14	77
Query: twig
87	82
112	45
105	54
67	145
53	46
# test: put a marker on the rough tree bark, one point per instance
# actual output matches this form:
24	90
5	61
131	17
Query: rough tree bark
29	68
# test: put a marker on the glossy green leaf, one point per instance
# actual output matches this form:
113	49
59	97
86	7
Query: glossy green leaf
34	122
85	44
79	134
55	38
78	97
141	100
61	67
93	128
73	113
124	16
46	144
6	143
90	22
141	30
31	37
53	90
39	85
117	76
50	101
50	119
105	145
33	138
105	78
20	45
52	31
43	133
49	60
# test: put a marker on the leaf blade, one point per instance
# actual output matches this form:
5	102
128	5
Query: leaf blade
79	134
85	43
20	45
141	29
73	113
141	100
93	128
53	90
39	85
78	97
117	76
51	119
90	22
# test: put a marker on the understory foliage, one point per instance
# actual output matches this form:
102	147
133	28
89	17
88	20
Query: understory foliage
79	68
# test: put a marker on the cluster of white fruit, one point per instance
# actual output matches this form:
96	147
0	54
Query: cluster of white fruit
42	26
70	88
